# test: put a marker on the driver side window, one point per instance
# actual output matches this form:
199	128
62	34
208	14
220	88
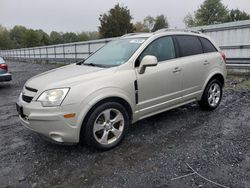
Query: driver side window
162	48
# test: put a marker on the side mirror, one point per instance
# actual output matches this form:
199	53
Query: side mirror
147	61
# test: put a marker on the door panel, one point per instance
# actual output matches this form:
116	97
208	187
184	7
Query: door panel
192	75
159	87
192	59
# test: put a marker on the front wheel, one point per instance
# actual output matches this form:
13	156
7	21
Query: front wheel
106	126
212	95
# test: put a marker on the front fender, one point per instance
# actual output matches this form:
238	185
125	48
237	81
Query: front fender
100	95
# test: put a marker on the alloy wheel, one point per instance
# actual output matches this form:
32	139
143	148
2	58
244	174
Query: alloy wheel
108	126
214	94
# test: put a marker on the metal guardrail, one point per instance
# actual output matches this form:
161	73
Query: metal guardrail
73	52
70	52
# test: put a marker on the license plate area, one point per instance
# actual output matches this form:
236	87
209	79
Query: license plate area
20	110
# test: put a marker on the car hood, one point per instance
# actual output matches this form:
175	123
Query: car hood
66	76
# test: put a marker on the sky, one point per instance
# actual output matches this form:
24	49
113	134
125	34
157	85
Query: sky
82	15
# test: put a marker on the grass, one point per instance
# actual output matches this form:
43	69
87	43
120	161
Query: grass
246	84
238	82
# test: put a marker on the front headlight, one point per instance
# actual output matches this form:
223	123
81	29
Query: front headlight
53	97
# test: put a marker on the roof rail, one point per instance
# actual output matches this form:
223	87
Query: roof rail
182	30
131	34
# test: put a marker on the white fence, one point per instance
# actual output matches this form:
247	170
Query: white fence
233	38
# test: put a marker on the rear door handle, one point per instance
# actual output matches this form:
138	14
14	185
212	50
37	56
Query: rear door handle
206	62
176	69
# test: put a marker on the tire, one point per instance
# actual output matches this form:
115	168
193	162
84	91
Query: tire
106	126
212	95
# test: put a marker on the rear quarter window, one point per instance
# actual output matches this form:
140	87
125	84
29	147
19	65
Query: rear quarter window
207	46
189	45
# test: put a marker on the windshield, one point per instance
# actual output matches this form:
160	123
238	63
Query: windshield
115	53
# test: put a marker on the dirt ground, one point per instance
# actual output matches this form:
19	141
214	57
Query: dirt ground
185	147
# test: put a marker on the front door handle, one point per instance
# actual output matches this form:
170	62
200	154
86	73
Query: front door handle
176	69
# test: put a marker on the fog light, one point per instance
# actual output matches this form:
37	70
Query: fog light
56	137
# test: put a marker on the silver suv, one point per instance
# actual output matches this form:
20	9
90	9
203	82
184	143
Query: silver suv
129	79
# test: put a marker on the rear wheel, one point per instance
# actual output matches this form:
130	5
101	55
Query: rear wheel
212	95
106	126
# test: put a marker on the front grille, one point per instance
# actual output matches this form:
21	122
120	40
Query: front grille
27	99
31	89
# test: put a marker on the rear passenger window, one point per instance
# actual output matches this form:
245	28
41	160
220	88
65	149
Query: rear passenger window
207	46
189	45
162	48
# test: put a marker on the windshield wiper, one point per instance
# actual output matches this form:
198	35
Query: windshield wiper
96	65
80	62
90	64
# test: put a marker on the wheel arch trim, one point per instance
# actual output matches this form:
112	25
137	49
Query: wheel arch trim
211	75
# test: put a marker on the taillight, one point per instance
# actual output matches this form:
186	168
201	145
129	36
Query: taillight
4	67
223	56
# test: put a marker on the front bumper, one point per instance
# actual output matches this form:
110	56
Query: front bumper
5	77
50	122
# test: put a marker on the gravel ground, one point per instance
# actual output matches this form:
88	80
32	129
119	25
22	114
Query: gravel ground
178	148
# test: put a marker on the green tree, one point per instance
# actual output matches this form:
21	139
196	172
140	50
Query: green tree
5	41
56	38
84	36
44	37
148	23
93	35
160	23
189	20
17	35
139	27
210	12
116	22
32	38
21	37
237	15
70	37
